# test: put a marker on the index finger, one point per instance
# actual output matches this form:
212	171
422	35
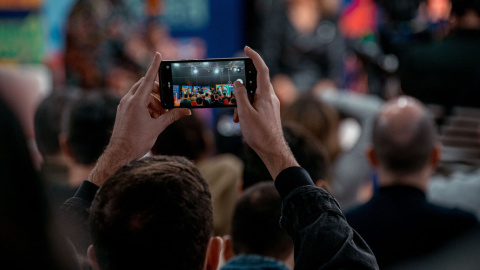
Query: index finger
263	75
151	74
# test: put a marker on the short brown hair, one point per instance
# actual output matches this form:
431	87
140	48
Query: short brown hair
152	213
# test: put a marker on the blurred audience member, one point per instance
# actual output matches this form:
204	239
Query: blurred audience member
98	34
87	125
86	128
447	72
29	237
398	223
48	118
257	241
303	46
189	138
321	116
402	24
23	94
321	119
308	152
353	182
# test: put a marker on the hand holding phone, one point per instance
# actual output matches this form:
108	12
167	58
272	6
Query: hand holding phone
205	83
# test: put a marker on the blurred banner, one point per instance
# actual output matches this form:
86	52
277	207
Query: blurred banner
21	31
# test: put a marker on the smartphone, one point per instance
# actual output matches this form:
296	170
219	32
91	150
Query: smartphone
205	83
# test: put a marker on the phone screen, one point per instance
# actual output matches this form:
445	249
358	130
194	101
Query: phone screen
204	83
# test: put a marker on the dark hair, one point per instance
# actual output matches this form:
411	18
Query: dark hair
460	7
48	118
199	101
88	125
255	226
321	119
152	213
408	156
182	138
308	152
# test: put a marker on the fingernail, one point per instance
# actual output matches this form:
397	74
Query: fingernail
246	46
189	112
155	57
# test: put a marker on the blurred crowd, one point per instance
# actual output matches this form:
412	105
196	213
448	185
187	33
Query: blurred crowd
384	117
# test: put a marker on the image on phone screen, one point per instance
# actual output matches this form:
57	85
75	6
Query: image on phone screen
204	83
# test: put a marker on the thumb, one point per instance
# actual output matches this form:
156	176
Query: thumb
243	104
171	116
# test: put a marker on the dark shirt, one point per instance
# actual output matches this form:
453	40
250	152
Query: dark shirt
311	216
398	223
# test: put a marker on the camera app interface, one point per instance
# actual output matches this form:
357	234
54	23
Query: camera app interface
207	84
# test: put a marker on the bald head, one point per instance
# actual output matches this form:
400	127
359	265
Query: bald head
404	136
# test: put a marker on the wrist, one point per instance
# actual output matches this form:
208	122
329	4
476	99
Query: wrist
109	162
277	159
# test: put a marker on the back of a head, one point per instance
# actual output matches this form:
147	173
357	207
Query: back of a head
255	226
154	213
184	137
88	125
48	119
404	136
321	119
306	149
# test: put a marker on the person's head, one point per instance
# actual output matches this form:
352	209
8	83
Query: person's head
199	101
308	152
404	141
87	126
48	118
185	95
255	225
155	212
321	119
186	137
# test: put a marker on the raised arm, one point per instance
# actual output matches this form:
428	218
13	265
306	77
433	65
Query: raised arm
139	121
322	237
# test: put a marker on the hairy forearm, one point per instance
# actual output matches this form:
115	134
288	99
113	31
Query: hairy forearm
277	158
114	157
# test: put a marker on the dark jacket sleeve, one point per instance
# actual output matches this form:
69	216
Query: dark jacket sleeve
75	213
312	217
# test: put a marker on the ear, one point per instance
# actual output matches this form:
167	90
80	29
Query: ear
227	248
92	257
436	153
372	157
64	147
213	253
